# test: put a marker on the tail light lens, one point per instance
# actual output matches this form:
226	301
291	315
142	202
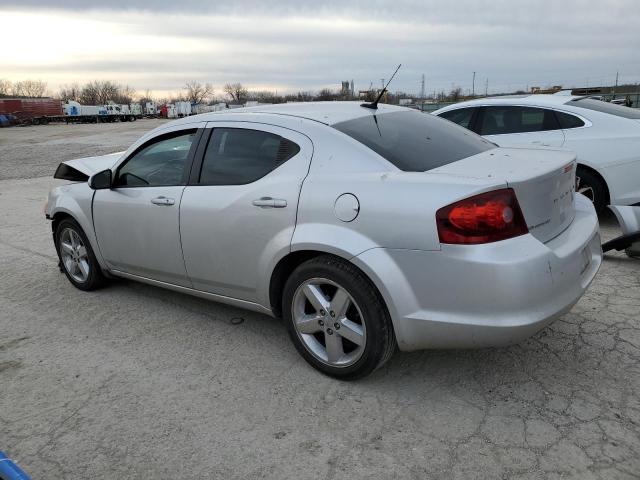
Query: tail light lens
485	218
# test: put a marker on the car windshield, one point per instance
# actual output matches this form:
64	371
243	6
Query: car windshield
414	141
605	107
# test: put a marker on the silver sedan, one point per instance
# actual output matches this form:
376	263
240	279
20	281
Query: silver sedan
365	229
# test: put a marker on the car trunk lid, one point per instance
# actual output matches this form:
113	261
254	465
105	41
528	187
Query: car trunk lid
543	180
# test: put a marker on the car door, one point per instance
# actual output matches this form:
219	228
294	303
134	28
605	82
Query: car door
238	213
137	220
519	126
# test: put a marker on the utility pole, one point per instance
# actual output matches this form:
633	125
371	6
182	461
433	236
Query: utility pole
616	87
473	85
422	88
486	88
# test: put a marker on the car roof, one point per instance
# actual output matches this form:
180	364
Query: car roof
535	99
328	113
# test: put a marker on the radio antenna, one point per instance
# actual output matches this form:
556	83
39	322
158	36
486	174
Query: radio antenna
374	105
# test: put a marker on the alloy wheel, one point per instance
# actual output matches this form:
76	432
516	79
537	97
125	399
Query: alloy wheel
329	322
74	255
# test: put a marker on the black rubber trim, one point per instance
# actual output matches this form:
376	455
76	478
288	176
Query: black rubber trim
621	243
65	172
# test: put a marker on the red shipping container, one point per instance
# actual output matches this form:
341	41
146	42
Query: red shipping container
31	107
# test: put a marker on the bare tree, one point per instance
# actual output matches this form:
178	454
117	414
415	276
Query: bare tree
145	97
29	88
236	91
5	87
455	94
327	94
99	92
301	96
196	92
70	92
125	95
89	94
107	91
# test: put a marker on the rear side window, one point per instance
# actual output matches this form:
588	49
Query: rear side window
461	116
567	120
237	156
501	120
604	107
414	141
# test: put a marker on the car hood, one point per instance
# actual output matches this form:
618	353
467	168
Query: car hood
91	165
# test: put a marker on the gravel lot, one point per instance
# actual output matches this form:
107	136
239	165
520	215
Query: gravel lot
30	152
136	382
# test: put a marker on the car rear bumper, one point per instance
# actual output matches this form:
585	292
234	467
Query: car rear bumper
467	296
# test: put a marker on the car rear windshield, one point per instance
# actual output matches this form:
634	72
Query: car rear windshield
414	141
605	107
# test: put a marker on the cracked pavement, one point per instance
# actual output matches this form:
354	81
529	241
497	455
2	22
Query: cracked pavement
137	382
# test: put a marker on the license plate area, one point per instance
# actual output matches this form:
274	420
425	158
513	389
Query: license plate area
586	259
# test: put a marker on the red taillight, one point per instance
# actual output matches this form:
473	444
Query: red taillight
488	217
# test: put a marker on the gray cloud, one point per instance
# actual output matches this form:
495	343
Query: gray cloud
309	45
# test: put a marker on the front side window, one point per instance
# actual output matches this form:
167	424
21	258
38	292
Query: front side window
506	119
237	156
414	141
461	116
159	163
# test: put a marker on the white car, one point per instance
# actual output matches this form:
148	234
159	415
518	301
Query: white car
605	137
365	228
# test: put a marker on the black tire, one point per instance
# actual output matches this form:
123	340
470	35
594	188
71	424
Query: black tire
95	278
380	340
590	185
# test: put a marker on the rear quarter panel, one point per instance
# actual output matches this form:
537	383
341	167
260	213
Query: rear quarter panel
611	146
397	209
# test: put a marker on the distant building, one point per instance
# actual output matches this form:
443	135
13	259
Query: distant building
554	89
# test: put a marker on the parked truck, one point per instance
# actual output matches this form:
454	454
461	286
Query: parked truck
183	109
76	112
136	110
168	110
40	111
197	108
150	109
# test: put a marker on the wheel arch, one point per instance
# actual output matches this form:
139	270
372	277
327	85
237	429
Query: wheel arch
286	265
58	217
597	174
281	272
86	224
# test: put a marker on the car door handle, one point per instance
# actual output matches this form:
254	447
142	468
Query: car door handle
268	202
163	201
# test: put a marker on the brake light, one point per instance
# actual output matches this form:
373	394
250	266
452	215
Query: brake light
485	218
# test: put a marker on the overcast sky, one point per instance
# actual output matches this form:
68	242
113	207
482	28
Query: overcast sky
290	45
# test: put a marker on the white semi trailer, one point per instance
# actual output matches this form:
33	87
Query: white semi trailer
183	109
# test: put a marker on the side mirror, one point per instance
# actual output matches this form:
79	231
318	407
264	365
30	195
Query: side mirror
101	180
